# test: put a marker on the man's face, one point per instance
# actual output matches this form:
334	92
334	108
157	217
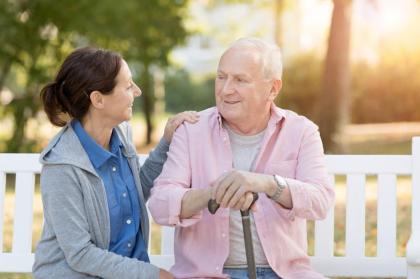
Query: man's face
242	92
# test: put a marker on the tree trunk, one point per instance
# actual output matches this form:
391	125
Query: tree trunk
335	102
159	91
23	109
4	71
148	102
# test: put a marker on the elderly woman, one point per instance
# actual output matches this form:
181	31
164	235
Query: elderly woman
93	188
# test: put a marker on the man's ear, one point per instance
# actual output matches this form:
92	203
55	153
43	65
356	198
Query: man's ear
275	89
97	99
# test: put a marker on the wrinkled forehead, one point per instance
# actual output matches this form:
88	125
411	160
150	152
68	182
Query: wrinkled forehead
245	55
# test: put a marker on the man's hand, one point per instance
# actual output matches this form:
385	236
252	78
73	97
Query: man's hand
163	274
234	189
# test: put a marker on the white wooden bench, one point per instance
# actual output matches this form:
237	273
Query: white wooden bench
353	264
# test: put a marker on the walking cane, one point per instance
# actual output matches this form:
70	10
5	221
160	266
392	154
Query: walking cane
246	225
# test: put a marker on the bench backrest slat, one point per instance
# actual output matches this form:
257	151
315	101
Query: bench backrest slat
22	227
387	215
355	216
415	204
369	164
20	162
167	241
2	205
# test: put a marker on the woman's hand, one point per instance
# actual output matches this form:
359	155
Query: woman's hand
176	120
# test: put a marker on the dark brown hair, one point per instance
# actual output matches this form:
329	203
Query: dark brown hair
83	71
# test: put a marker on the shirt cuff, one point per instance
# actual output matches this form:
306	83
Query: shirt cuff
175	204
299	198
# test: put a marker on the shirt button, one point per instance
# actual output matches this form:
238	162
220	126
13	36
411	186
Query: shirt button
124	194
114	169
223	235
129	245
128	221
217	268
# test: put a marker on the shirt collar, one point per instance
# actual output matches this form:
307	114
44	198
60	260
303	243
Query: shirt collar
96	153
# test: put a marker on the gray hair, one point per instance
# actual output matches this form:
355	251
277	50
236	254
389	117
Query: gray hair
270	55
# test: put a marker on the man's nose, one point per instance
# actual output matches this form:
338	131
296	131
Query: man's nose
228	87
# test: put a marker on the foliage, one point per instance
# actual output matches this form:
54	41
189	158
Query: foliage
388	91
37	35
27	39
302	85
183	93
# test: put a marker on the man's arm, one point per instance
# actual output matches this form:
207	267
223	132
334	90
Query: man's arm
194	201
308	196
172	200
312	193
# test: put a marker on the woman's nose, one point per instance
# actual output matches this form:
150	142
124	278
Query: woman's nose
137	91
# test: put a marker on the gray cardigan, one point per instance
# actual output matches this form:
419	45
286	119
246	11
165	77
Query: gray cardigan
76	231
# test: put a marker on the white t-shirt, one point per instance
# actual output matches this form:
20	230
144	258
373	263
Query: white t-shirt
244	152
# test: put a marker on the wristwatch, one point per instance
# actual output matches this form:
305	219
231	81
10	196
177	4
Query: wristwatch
281	184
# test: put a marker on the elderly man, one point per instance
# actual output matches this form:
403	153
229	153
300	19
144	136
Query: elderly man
245	144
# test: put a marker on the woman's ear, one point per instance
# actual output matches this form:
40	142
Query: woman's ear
97	99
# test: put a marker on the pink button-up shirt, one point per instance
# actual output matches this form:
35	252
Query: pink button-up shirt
200	153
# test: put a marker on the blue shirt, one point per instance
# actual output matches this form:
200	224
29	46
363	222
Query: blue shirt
123	200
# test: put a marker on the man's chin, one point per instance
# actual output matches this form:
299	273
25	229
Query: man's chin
230	116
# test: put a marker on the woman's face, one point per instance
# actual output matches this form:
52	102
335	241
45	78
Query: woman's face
119	104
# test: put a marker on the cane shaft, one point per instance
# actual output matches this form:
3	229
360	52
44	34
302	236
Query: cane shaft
249	248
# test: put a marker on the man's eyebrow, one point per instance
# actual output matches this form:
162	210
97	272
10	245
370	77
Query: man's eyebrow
235	74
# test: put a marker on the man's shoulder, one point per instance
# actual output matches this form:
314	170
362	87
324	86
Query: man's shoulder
295	119
208	120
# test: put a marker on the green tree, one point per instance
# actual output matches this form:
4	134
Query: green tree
181	87
38	34
27	37
144	32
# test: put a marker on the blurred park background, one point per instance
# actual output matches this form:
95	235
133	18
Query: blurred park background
353	67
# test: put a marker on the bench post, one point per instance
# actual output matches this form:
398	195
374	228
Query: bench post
413	245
